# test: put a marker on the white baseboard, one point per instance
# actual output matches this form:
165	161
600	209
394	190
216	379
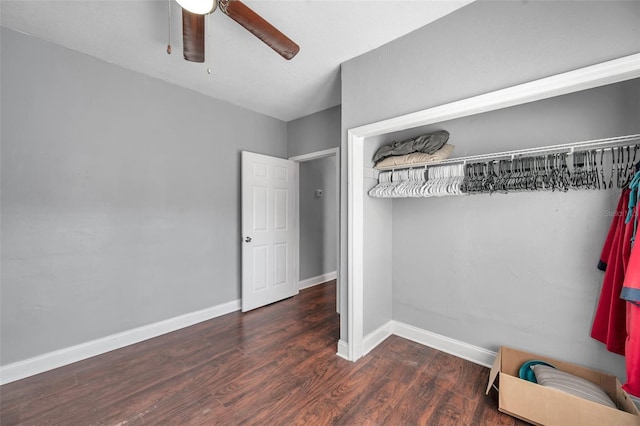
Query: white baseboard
310	282
455	347
39	364
343	349
442	343
372	340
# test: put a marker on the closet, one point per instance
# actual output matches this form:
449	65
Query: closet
478	271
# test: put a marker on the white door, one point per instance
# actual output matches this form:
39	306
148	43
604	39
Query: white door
269	229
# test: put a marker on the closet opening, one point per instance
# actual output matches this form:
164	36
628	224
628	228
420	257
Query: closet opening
361	338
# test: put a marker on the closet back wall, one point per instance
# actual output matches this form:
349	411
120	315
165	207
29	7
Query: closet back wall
516	269
120	197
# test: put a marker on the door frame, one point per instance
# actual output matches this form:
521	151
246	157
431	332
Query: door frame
609	72
331	152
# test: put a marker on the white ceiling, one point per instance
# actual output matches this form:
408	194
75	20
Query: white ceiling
245	72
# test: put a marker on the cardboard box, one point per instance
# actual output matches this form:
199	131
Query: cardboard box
542	405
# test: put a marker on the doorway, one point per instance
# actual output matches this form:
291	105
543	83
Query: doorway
318	218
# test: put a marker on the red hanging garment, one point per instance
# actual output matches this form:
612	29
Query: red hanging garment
632	356
609	323
631	293
631	285
608	243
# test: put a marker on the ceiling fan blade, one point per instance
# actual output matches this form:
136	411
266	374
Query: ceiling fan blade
193	36
259	27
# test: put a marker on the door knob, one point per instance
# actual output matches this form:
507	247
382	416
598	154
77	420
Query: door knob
247	239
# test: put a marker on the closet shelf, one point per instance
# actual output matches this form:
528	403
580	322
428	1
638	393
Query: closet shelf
552	149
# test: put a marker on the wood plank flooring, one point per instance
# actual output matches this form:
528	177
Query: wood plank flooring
276	365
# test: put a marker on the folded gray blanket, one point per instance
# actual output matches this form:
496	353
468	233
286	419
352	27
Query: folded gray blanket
428	144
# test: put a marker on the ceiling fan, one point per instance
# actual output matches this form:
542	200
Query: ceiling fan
193	35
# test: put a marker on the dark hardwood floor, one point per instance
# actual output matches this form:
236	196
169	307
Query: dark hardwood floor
276	365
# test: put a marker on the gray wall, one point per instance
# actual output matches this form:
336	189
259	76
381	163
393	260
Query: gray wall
315	132
516	269
318	218
479	48
120	197
377	275
378	257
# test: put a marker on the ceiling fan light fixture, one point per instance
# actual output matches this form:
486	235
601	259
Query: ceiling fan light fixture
199	7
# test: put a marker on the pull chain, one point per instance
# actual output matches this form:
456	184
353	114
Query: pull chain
169	29
208	43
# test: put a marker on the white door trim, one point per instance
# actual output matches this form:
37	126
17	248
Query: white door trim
316	156
609	72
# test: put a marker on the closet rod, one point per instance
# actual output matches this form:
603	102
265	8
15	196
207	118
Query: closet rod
569	148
